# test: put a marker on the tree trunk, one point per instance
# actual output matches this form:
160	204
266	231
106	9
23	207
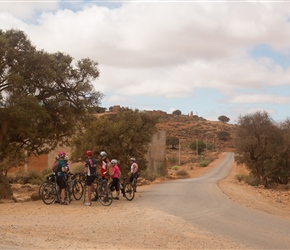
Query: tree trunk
5	188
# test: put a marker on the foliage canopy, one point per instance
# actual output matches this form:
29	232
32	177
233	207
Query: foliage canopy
200	146
43	97
122	135
224	119
172	141
263	146
176	112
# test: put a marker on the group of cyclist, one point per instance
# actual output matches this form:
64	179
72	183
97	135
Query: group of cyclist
108	169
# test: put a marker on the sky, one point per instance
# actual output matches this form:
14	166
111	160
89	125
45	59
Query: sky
210	58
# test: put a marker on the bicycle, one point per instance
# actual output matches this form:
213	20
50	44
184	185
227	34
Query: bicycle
76	185
134	181
126	189
102	191
51	193
49	179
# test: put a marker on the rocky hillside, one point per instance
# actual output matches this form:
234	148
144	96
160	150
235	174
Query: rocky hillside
192	128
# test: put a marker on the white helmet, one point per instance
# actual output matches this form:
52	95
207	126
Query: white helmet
103	153
132	159
114	161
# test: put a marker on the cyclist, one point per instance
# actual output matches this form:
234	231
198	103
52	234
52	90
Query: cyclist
115	176
105	164
134	172
90	171
60	176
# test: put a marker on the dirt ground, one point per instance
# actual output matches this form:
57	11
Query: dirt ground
124	224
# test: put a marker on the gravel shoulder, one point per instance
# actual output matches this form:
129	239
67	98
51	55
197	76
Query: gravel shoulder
123	225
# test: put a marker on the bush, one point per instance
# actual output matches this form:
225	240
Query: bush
146	174
35	181
34	174
29	177
11	178
241	177
175	167
203	164
251	180
182	172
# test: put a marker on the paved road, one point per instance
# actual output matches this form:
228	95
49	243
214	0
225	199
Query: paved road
202	203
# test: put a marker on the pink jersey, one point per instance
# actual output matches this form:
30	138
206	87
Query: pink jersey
115	171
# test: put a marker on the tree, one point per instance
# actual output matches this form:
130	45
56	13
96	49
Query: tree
172	141
201	146
176	112
262	147
224	119
43	97
122	135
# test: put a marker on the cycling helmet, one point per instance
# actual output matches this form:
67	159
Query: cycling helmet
89	153
61	154
103	153
132	159
114	161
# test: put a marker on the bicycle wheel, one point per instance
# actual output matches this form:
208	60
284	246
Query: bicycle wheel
129	191
78	190
105	195
134	184
41	188
49	193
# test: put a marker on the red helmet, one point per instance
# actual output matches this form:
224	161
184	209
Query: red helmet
89	153
61	154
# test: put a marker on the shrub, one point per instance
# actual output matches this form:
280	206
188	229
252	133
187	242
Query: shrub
44	173
251	180
34	174
11	178
175	167
146	174
182	172
34	181
241	177
203	164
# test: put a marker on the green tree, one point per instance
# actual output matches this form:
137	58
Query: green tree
224	119
43	97
176	112
200	145
122	135
261	146
172	141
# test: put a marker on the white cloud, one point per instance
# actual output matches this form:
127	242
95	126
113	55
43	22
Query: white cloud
165	50
26	10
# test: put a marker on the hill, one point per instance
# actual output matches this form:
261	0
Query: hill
191	128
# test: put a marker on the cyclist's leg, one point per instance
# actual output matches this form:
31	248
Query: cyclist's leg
63	187
116	185
90	180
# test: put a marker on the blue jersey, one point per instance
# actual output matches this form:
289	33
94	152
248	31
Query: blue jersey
91	164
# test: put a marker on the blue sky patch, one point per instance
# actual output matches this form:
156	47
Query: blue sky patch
264	50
